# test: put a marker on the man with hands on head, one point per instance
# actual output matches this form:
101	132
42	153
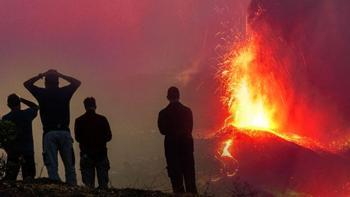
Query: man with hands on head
20	153
54	102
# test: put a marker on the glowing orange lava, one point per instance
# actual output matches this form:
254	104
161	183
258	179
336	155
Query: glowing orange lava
226	152
255	92
247	87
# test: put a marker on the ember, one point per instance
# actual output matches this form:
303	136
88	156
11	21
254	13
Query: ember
255	94
284	101
252	92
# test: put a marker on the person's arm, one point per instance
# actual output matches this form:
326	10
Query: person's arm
73	82
189	121
162	124
30	104
108	136
29	84
77	131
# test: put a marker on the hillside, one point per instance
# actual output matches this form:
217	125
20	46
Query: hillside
272	164
46	188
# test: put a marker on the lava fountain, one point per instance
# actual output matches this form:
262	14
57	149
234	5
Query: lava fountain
278	131
255	93
247	82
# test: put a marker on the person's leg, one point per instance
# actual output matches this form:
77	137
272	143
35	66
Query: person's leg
177	182
87	170
102	168
12	167
189	173
50	145
174	169
28	167
67	155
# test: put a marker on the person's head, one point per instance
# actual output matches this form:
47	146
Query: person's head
51	80
173	94
13	102
90	104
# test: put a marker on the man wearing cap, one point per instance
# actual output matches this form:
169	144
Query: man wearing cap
54	102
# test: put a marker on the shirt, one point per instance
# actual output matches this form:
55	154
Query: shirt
176	120
54	106
92	131
176	123
23	120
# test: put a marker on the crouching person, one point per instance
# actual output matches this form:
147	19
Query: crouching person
92	132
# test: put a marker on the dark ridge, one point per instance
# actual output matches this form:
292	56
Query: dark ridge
45	187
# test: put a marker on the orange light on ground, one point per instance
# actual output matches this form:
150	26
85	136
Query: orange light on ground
225	151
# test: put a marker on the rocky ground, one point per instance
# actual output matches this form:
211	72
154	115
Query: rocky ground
44	187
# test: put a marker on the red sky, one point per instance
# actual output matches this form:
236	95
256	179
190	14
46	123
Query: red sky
126	53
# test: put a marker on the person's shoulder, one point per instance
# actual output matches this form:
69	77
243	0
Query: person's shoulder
185	107
164	110
80	118
68	88
64	89
40	93
100	116
29	110
28	113
40	90
7	116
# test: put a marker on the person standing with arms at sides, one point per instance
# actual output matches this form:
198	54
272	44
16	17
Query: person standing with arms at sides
92	132
176	123
20	153
54	104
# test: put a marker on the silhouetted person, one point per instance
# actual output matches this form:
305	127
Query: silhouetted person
20	153
176	123
55	116
92	131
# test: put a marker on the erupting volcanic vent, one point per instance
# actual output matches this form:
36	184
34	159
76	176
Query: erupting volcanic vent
249	83
255	91
276	133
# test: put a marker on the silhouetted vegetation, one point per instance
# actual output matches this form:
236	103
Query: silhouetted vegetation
7	133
